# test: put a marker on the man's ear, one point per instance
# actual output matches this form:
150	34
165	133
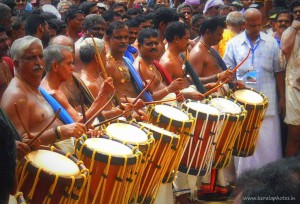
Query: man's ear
54	66
17	65
176	38
41	28
139	46
162	26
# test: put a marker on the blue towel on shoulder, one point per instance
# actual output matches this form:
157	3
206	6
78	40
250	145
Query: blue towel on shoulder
63	115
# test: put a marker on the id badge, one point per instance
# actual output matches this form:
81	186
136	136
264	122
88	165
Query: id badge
250	78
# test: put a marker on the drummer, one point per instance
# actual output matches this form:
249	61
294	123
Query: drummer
35	111
147	67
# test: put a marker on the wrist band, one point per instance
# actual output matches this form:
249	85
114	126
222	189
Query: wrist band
58	132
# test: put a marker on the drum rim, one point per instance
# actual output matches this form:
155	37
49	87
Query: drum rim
67	180
201	115
115	160
157	135
250	106
232	117
133	123
166	120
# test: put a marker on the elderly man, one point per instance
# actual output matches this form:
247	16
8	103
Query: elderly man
24	91
291	49
283	20
263	67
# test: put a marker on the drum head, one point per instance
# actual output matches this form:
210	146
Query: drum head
158	129
108	147
248	96
226	106
203	108
172	113
126	133
53	162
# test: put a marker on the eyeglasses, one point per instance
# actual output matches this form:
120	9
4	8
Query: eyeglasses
283	21
186	13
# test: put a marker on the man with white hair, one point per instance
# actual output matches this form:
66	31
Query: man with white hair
211	8
24	90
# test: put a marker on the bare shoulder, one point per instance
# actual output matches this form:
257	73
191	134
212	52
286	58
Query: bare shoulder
15	93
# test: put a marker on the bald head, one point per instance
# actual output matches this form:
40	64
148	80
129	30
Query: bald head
62	40
251	14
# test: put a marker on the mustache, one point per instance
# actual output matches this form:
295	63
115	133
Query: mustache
36	67
283	26
153	50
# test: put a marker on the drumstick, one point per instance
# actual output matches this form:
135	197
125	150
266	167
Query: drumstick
44	129
143	91
117	98
82	108
111	119
162	101
100	110
236	68
21	121
215	88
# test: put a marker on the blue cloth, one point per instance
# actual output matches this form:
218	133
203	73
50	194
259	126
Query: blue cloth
128	53
63	115
137	79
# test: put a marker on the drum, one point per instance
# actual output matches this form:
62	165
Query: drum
48	175
17	199
256	105
166	143
235	115
177	121
200	150
112	166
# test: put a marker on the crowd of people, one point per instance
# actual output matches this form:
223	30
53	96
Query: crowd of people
56	55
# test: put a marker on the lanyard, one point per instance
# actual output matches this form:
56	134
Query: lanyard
278	40
253	48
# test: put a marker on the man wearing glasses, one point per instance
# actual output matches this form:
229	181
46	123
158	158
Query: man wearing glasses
291	51
283	20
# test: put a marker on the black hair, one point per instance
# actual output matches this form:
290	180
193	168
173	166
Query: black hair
285	12
175	29
71	13
2	29
116	5
86	6
32	22
114	26
92	20
133	23
146	33
211	24
109	15
134	11
165	15
196	17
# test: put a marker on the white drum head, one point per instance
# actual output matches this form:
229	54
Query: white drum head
226	106
127	133
106	146
248	96
172	113
53	162
158	129
203	108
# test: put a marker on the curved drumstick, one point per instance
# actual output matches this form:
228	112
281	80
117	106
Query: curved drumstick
143	91
44	129
236	68
21	121
82	108
100	110
111	119
215	88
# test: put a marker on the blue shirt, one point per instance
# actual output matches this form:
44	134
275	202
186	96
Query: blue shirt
265	62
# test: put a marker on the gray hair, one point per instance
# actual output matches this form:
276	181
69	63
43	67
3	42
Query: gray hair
20	45
61	3
53	53
62	40
184	5
91	20
87	49
234	18
4	9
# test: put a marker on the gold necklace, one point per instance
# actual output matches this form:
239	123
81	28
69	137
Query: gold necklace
123	80
176	57
38	96
96	80
151	68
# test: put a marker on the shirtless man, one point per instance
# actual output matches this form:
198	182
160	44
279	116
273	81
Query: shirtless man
59	66
91	77
35	111
146	67
177	36
118	67
207	66
163	16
